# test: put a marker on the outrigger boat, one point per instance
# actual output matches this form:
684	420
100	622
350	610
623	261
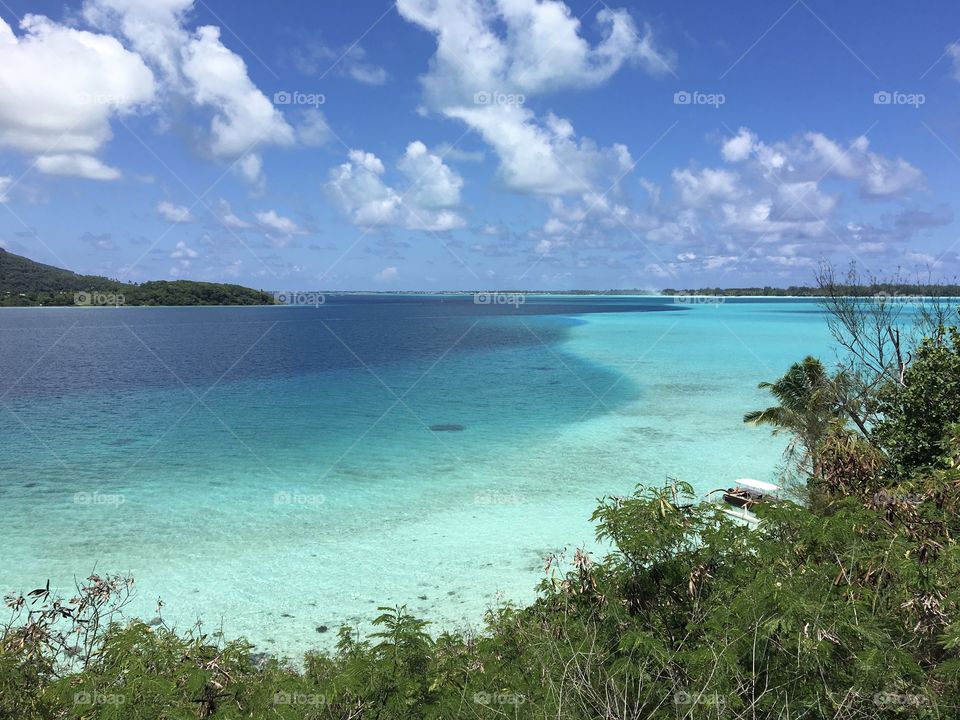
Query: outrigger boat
746	493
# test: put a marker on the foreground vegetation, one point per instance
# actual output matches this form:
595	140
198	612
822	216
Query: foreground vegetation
25	283
842	603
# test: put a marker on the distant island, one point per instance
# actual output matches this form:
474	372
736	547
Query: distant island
26	283
892	289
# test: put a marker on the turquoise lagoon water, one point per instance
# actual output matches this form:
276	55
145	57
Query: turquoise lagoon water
273	470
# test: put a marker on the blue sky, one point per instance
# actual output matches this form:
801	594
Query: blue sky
464	144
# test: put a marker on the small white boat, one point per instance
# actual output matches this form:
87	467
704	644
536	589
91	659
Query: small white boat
758	485
746	493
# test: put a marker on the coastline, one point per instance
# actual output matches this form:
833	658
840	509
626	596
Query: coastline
452	514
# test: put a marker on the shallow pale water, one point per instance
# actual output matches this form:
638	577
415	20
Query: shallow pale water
246	465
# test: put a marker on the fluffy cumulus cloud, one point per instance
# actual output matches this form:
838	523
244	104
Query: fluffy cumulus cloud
61	88
76	165
698	187
433	185
183	255
767	206
426	200
814	157
386	275
227	217
523	46
493	55
279	230
243	116
154	28
772	192
171	213
355	65
197	67
271	220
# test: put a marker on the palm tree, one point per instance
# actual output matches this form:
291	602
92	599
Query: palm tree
808	408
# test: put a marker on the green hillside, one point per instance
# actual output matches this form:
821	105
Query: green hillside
24	282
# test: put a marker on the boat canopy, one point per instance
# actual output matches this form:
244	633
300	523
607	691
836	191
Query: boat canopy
757	485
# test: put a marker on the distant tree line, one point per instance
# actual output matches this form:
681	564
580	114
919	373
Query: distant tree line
889	289
25	283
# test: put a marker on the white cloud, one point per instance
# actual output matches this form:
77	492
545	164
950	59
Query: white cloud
76	165
354	62
316	59
100	242
554	226
358	189
184	252
714	262
228	218
152	27
279	230
197	66
803	201
543	158
540	49
313	129
184	255
814	156
924	260
174	213
889	178
386	275
953	50
432	184
61	87
233	269
492	54
5	183
425	202
244	118
759	217
697	187
272	221
767	209
448	151
738	148
652	190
